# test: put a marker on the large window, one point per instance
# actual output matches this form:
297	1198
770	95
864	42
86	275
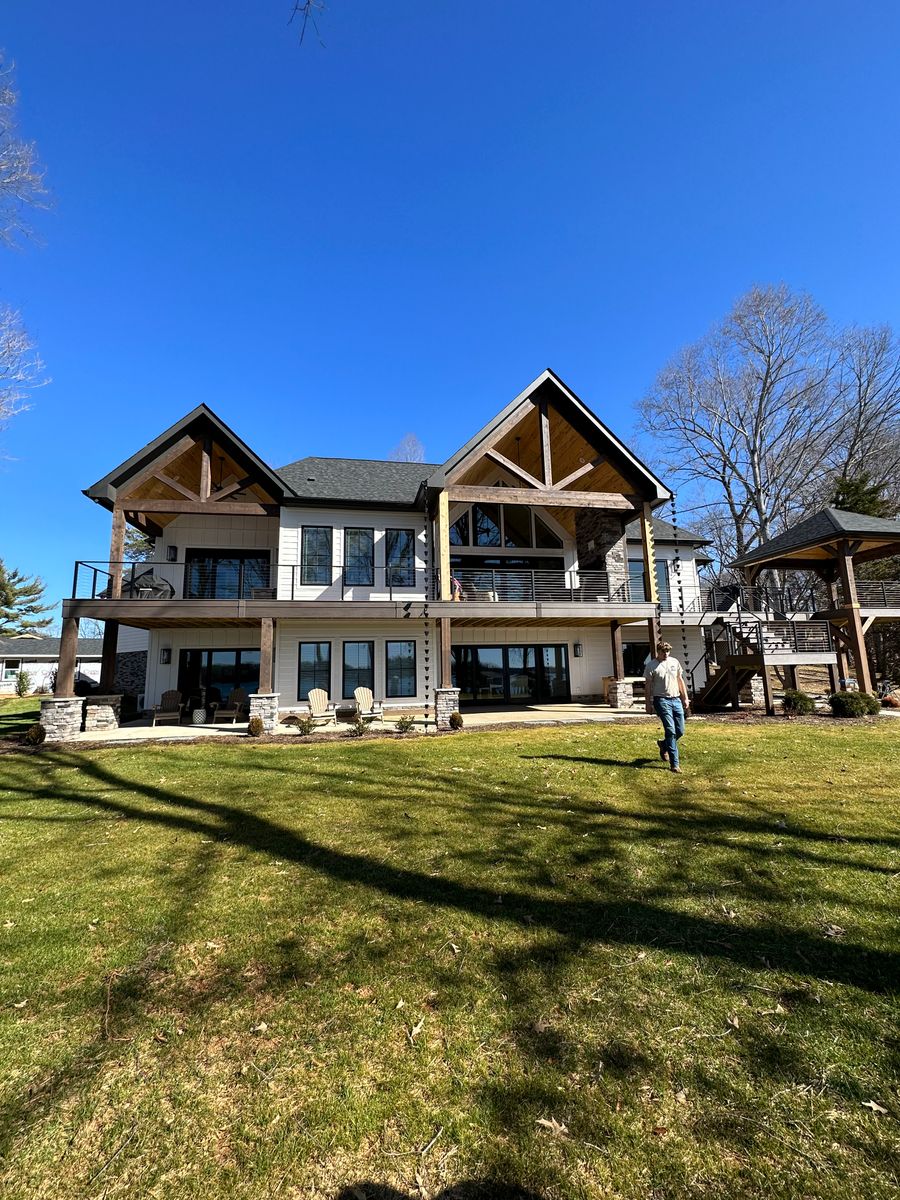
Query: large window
636	581
225	574
315	555
205	676
400	557
400	668
514	526
359	667
359	557
313	668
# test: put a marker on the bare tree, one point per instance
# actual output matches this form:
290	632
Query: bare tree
408	449
306	13
21	189
744	415
20	366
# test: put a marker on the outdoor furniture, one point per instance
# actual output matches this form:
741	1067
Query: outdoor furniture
321	710
368	708
236	707
169	708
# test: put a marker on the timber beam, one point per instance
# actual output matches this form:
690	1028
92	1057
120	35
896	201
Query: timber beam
549	498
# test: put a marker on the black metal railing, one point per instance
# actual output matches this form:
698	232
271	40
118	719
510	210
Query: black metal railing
778	637
497	586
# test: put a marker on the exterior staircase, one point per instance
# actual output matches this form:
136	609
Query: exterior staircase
741	645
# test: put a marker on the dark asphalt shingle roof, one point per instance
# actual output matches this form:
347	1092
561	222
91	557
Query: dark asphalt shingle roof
663	531
356	480
822	527
47	647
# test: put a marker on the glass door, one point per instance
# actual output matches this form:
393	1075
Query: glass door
511	674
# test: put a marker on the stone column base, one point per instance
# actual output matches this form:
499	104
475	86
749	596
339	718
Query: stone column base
753	692
265	706
102	712
621	694
446	701
61	717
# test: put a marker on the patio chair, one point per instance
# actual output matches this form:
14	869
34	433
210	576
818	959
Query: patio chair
321	708
367	707
235	709
169	708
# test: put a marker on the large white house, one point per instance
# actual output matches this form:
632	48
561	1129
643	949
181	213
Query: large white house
528	567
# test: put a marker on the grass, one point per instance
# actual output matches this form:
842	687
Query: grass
16	714
516	963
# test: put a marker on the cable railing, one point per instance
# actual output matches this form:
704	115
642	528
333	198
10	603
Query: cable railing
502	587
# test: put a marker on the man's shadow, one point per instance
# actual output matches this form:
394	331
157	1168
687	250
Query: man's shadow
471	1189
641	764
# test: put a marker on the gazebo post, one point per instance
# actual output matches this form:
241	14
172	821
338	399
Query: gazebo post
854	623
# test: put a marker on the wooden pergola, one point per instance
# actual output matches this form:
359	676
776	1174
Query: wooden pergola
831	543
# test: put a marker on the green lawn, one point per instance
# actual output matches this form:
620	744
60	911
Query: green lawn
17	714
531	958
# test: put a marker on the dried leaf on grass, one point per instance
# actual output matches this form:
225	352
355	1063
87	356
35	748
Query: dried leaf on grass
556	1128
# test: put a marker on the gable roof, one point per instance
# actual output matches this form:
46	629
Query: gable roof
828	525
564	398
47	647
357	481
200	420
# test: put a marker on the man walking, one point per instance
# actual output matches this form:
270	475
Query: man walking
666	695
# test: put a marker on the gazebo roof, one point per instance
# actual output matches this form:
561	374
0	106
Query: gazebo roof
812	541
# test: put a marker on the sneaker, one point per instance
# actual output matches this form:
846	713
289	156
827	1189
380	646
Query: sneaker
663	752
675	770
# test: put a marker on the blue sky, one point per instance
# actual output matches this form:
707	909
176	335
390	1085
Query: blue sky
331	247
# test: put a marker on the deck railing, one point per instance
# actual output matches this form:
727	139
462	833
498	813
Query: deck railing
495	586
779	637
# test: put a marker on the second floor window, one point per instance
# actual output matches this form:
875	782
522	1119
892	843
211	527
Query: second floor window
315	555
359	557
400	557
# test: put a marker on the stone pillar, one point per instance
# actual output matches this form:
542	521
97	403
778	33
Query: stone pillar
621	694
61	717
102	712
753	692
265	705
446	701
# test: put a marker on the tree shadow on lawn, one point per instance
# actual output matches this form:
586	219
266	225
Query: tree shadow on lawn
572	923
469	1189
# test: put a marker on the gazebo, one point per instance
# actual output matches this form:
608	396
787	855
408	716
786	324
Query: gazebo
832	543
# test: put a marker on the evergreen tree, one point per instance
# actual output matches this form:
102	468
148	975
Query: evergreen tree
857	493
20	603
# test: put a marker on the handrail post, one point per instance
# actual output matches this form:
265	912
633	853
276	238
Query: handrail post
75	580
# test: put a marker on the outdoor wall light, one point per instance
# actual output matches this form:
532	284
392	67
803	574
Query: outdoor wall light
579	649
171	553
165	655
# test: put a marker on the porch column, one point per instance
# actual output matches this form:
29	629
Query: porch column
855	633
266	647
446	670
108	662
651	588
443	545
68	654
767	691
618	659
116	553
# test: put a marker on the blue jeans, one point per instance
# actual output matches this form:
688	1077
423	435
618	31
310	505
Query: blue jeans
670	712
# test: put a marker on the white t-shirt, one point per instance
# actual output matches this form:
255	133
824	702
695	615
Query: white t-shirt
662	675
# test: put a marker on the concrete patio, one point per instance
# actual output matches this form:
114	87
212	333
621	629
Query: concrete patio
538	714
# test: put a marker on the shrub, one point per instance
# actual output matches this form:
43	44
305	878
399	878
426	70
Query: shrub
797	704
891	700
405	724
23	683
455	720
255	726
853	704
34	735
304	724
41	690
357	727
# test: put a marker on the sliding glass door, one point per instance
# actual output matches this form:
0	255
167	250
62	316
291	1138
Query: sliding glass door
511	674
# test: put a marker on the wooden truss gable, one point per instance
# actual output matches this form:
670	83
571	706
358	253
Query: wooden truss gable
555	453
196	467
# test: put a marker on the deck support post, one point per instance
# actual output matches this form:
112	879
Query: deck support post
734	690
266	647
618	658
108	661
446	668
855	633
68	656
443	545
116	553
767	691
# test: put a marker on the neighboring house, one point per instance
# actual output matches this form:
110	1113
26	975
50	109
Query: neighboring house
39	656
523	569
